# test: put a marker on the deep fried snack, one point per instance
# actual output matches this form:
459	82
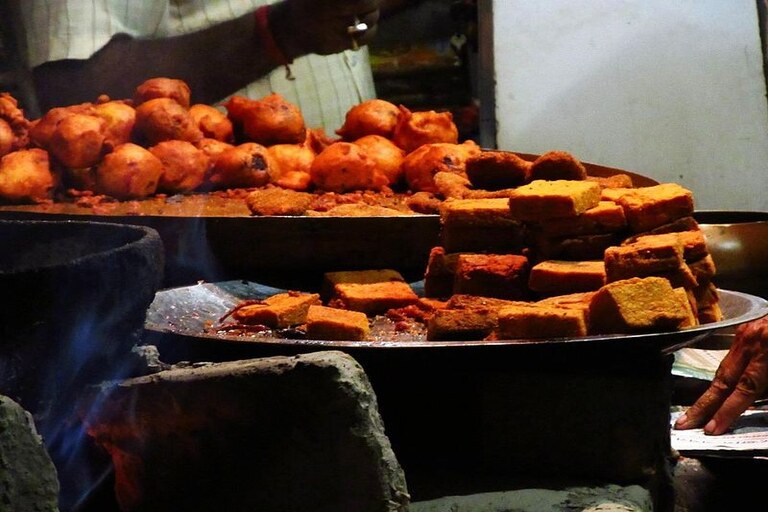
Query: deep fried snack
6	138
452	186
26	176
243	166
212	122
324	323
344	167
119	121
461	324
536	320
41	130
270	120
371	117
277	311
497	170
557	277
128	172
291	165
161	87
162	119
647	208
557	165
78	141
421	165
278	201
212	147
542	199
414	129
503	276
184	166
14	126
636	305
387	156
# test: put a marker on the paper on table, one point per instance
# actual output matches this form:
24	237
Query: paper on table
748	434
697	363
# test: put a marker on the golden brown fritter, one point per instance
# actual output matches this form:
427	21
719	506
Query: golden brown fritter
162	119
414	129
128	172
278	201
371	117
421	165
387	156
245	165
14	126
162	87
343	167
184	166
212	122
26	176
291	165
270	120
78	140
557	165
497	170
119	121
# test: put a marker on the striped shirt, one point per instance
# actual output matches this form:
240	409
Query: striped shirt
325	88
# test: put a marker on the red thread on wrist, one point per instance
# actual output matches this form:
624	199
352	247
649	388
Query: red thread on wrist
267	39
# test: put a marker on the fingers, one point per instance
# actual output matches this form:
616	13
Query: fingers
740	379
752	384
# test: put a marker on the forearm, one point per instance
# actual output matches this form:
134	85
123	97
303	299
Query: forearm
214	62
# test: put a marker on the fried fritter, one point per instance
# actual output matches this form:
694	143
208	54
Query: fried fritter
119	118
78	141
278	201
414	129
162	119
14	126
128	172
162	87
557	165
421	165
26	176
245	165
270	120
291	165
371	117
388	157
212	122
343	167
184	166
497	170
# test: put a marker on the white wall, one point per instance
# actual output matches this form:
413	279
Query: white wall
672	89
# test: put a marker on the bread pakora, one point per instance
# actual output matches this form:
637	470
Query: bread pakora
414	129
343	167
371	117
26	176
270	120
128	172
184	166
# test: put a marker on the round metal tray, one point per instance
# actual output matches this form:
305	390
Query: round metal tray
195	311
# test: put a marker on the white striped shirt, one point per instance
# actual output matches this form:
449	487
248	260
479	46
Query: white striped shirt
325	88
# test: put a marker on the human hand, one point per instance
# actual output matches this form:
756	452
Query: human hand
320	26
740	379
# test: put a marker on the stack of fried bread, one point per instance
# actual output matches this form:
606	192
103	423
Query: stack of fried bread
557	254
597	257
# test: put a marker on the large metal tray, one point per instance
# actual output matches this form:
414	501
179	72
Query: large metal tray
223	241
195	312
